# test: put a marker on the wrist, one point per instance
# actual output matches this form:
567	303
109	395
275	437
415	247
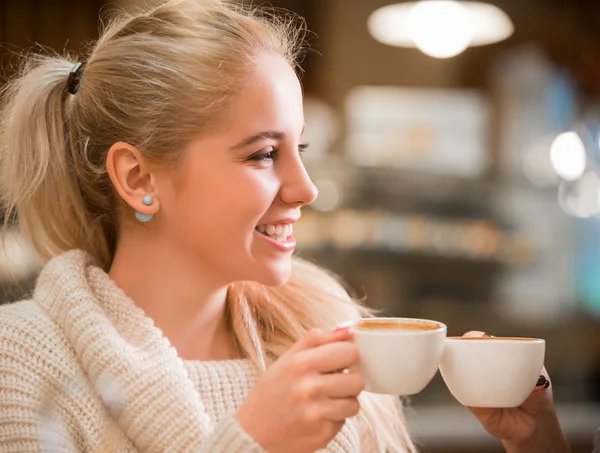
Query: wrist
248	425
546	438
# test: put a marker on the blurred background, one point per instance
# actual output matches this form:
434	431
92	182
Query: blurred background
456	148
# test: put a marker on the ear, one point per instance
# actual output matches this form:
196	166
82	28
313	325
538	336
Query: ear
131	177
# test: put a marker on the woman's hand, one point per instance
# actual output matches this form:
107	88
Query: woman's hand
302	401
532	427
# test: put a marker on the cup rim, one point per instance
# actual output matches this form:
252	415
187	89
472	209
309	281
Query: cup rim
385	320
497	339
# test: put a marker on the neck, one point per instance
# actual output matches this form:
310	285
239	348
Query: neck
181	299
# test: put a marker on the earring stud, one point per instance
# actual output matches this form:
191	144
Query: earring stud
147	200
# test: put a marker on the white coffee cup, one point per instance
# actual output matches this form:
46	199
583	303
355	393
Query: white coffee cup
398	356
492	372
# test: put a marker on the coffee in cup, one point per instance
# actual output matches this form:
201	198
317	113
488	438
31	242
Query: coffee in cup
380	324
495	372
398	356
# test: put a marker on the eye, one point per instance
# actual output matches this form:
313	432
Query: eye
262	156
303	147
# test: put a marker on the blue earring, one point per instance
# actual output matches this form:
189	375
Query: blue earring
147	200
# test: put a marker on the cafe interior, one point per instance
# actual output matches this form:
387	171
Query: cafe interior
456	149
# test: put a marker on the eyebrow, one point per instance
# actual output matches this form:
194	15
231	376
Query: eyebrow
267	135
272	135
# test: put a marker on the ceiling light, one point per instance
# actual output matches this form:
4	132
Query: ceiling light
568	157
440	28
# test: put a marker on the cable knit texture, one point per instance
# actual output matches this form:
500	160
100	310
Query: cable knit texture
83	369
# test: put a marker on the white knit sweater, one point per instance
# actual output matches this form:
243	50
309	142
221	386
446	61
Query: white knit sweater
83	369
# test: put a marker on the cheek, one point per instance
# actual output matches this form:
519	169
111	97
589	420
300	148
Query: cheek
228	205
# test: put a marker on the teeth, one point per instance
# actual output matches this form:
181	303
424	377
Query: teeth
277	232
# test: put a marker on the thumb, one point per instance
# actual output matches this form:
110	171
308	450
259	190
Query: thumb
476	334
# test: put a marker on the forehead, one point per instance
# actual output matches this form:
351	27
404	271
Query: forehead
271	99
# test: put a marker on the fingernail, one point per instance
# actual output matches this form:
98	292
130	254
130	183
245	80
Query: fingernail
541	381
342	329
485	334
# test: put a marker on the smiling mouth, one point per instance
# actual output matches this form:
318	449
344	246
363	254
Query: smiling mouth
280	232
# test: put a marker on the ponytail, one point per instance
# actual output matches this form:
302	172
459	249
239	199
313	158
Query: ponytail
38	174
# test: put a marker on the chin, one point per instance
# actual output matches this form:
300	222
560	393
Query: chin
275	275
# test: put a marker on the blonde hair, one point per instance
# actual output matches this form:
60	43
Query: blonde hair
157	79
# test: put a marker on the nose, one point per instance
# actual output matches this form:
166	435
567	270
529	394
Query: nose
296	186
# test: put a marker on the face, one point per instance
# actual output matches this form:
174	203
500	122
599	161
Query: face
239	191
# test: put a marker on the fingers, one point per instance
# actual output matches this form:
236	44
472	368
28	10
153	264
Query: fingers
325	351
338	385
543	383
317	337
476	334
482	413
332	357
340	409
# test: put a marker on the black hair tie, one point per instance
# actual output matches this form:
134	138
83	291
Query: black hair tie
75	78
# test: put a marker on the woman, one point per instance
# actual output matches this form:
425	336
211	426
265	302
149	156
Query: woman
162	179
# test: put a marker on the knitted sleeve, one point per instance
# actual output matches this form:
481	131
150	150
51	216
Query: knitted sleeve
229	437
25	426
47	404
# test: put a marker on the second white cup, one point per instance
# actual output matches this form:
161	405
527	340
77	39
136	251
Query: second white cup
492	372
